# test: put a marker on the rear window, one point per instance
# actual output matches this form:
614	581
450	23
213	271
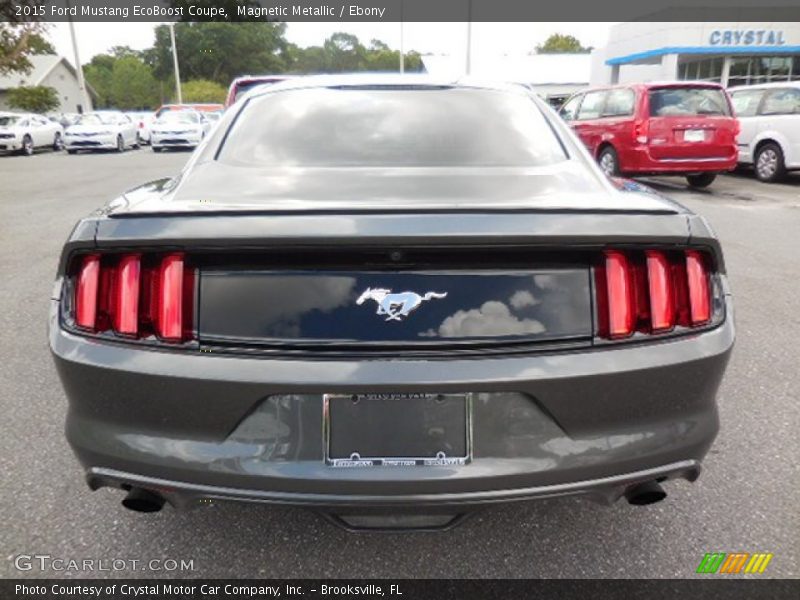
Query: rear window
422	127
688	101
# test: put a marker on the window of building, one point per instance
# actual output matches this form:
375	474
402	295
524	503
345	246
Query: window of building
751	70
591	106
619	103
705	69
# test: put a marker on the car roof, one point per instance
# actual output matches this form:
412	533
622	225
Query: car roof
766	86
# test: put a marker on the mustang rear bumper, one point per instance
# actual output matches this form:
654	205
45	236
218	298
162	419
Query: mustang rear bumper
194	426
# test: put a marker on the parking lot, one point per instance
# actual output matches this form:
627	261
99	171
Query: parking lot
745	501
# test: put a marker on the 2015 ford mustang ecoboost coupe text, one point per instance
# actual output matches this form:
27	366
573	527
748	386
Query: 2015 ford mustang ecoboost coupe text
393	300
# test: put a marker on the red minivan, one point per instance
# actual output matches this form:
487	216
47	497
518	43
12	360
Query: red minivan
681	128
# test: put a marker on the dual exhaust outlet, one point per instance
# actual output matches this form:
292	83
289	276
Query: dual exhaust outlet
145	501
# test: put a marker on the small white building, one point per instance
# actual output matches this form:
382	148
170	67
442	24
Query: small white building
555	77
736	53
52	71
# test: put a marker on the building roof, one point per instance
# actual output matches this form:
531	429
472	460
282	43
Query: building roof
42	65
533	69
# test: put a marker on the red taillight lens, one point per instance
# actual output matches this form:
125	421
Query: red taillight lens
619	294
641	131
662	304
125	311
86	292
699	292
652	291
169	314
136	296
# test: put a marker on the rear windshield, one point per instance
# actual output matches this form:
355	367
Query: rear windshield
422	127
688	101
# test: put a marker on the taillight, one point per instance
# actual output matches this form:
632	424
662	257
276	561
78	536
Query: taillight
125	308
641	130
136	296
699	293
651	292
169	314
620	295
86	292
662	304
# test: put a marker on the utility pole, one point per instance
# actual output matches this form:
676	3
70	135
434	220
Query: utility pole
402	44
175	62
83	100
469	37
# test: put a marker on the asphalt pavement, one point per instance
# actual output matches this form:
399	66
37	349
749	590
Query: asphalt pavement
745	501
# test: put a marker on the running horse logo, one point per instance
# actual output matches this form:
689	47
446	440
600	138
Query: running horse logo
397	305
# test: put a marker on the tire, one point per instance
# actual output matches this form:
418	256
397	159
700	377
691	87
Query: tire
701	180
72	151
58	143
155	148
608	159
120	144
769	164
137	144
27	146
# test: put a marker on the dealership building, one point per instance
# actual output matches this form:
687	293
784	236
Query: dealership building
728	53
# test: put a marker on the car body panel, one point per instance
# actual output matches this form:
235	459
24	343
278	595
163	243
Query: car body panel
41	130
282	262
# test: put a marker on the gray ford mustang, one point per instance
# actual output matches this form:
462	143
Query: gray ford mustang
394	300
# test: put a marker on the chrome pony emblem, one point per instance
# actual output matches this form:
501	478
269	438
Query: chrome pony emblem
397	305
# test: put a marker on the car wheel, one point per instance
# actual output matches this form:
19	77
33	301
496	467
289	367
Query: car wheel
120	144
58	143
72	151
769	163
156	148
27	146
609	161
701	180
138	142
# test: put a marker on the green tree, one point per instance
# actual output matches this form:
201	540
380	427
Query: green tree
220	51
203	90
19	36
132	84
35	98
560	43
99	73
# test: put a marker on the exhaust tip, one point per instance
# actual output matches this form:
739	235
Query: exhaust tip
141	500
646	493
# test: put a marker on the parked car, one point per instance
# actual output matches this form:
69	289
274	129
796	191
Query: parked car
24	132
770	121
143	122
680	128
391	294
245	83
101	130
179	129
199	107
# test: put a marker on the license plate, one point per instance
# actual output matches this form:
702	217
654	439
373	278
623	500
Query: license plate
397	430
694	135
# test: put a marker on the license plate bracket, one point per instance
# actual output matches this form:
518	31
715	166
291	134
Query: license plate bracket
397	430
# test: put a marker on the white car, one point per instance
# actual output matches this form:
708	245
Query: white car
769	115
179	129
101	130
24	132
143	122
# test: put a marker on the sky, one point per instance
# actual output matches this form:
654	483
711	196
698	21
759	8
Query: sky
495	39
